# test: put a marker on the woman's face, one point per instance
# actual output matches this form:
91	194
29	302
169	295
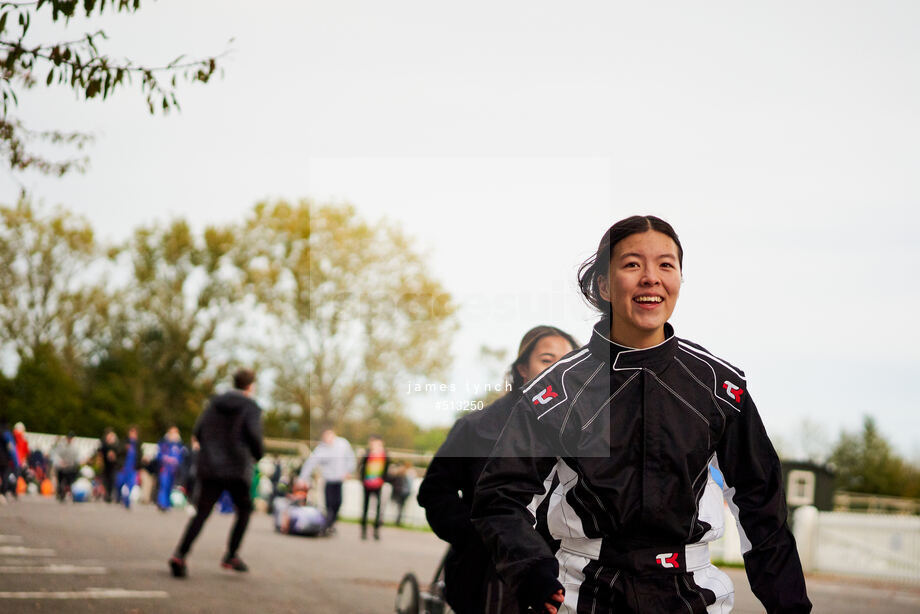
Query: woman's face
546	352
642	284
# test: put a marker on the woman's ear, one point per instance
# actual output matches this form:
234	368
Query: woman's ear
603	287
522	371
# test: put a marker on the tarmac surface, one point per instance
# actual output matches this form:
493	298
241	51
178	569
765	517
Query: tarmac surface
94	557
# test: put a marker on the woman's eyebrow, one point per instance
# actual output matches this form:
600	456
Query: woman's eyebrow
638	255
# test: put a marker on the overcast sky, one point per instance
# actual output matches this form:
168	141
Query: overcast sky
780	139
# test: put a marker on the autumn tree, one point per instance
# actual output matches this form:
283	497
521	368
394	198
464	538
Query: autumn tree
80	65
181	290
353	308
51	296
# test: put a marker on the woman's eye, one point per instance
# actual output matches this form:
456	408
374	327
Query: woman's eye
667	264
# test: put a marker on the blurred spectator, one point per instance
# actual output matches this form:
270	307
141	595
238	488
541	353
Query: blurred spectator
108	451
373	471
9	463
127	477
38	466
402	487
336	461
171	456
65	458
190	469
229	432
22	446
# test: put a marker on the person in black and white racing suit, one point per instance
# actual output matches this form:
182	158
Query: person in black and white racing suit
471	583
629	425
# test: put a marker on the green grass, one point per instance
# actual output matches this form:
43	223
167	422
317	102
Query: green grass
720	563
390	525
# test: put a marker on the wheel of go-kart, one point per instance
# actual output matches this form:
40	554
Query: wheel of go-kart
407	597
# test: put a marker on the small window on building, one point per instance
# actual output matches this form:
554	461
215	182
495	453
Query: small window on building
801	488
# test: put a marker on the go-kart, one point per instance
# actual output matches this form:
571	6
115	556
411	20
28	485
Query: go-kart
410	599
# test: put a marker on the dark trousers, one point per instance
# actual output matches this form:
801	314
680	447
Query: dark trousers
333	493
209	492
400	505
367	497
108	482
65	479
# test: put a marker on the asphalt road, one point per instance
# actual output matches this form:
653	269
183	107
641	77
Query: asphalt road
94	557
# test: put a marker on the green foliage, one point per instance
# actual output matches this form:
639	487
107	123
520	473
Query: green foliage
865	463
429	440
46	297
397	430
80	65
335	308
183	288
47	394
114	394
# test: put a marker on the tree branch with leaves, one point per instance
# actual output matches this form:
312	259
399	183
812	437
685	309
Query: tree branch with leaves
80	65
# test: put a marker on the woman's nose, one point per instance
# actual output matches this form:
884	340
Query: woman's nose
650	278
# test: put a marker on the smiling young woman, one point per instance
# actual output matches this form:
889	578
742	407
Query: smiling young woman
628	426
634	279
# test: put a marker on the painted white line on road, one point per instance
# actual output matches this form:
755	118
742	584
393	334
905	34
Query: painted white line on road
23	551
10	539
53	569
90	593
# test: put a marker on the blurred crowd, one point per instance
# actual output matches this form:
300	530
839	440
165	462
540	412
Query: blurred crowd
121	470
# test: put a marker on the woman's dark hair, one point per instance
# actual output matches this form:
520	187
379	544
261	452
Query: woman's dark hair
528	343
596	266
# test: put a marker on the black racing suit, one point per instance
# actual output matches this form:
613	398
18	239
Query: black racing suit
630	434
471	584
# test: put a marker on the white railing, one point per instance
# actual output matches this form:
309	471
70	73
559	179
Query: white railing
883	547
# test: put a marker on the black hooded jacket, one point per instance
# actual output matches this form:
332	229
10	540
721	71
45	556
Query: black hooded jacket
229	431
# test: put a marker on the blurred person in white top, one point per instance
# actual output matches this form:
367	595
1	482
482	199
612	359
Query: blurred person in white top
335	460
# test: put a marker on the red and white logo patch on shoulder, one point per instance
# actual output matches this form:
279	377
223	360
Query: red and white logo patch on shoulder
544	396
734	391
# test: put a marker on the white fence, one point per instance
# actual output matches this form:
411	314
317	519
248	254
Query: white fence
875	546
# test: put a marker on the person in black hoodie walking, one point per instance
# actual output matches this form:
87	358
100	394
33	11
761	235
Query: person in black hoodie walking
229	432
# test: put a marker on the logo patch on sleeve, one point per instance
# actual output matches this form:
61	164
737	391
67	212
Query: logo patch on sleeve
544	396
734	391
